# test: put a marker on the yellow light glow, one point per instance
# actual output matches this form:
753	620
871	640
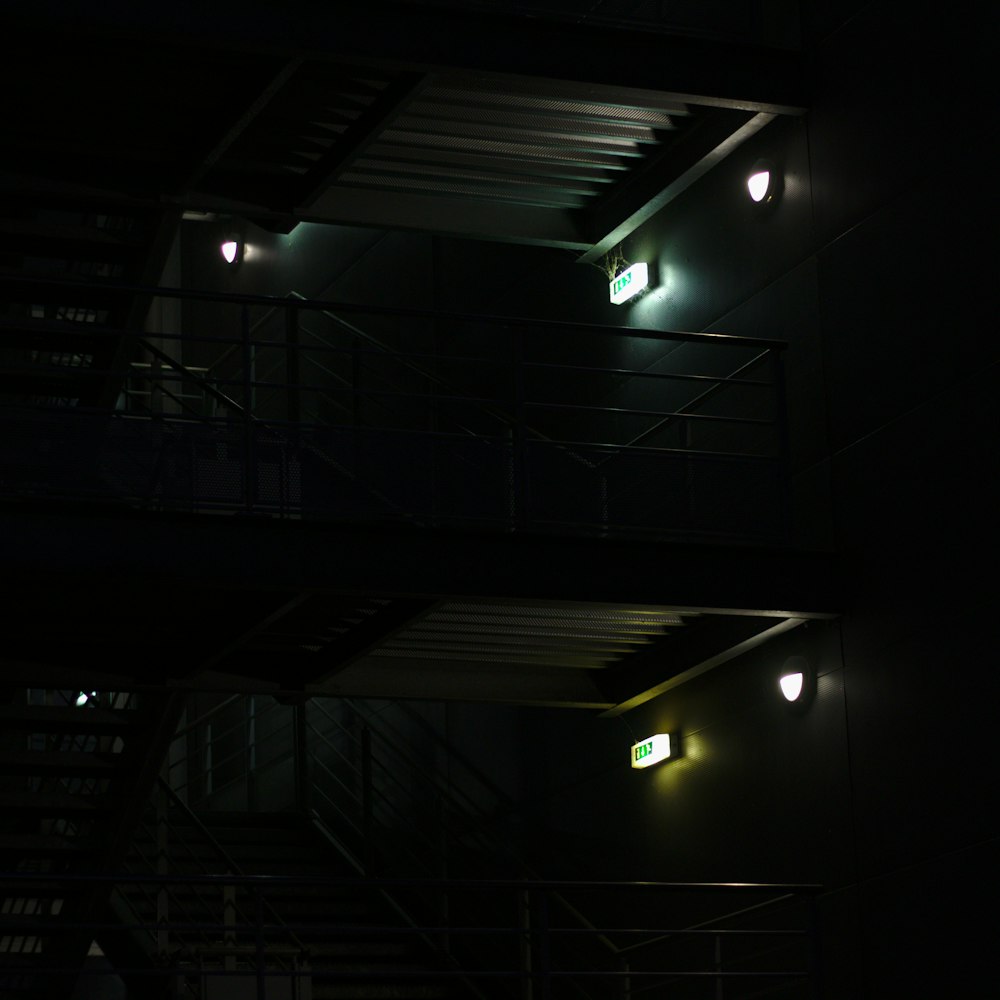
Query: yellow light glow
791	685
651	750
758	184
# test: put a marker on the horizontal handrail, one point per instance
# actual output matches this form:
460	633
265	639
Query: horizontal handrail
704	926
281	302
383	352
806	889
481	925
395	430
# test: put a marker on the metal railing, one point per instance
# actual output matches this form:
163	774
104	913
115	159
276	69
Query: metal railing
509	940
161	849
356	772
369	796
392	818
294	407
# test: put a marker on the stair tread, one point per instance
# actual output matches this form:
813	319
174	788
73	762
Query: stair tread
79	289
43	844
362	949
49	802
65	231
59	760
72	331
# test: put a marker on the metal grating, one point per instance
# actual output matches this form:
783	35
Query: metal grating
314	625
547	135
486	632
448	135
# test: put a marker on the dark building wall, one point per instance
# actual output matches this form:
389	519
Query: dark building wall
872	267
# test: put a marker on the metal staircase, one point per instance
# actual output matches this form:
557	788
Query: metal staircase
67	266
376	878
74	773
248	892
62	345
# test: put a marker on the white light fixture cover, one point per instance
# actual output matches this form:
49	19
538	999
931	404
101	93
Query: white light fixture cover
758	184
797	680
630	282
230	251
651	750
791	685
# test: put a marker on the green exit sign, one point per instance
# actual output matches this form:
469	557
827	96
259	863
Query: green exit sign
651	750
629	283
620	284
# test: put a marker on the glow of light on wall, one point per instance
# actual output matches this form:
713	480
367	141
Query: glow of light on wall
651	750
629	283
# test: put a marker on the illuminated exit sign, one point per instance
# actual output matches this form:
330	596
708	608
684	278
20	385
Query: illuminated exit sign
651	750
629	283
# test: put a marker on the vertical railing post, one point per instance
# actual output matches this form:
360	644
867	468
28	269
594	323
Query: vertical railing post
689	505
815	953
251	754
290	450
162	871
544	943
259	941
525	956
249	453
155	386
207	783
433	426
719	982
368	801
357	416
229	927
356	382
301	756
292	366
522	486
784	477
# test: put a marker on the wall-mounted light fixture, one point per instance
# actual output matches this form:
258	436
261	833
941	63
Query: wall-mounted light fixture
231	250
629	283
797	681
653	749
791	685
764	183
85	698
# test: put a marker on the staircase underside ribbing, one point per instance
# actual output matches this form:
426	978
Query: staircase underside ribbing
224	603
390	115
